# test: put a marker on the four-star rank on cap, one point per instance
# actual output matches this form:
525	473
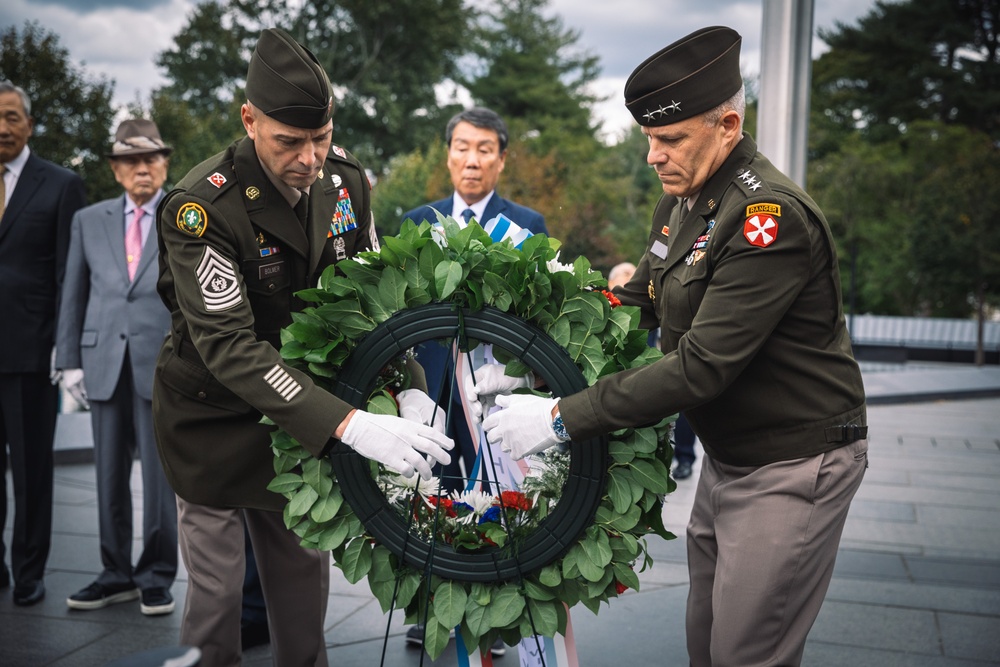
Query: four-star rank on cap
693	75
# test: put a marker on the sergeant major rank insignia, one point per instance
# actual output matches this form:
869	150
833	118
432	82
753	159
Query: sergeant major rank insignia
217	279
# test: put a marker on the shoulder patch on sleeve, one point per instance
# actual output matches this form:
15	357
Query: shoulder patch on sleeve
192	219
216	275
760	229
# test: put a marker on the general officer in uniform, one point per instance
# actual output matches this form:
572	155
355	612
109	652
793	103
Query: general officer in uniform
740	273
239	236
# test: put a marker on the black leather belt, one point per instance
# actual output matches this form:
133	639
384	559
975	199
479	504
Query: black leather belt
846	433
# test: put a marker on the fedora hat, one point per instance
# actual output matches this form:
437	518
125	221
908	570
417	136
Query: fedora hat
137	136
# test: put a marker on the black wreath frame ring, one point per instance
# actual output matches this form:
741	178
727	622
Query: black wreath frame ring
588	459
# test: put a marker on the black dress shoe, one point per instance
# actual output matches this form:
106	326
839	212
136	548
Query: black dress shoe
26	595
254	634
682	471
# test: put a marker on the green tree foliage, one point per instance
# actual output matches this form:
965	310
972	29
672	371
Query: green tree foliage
866	192
909	61
958	260
383	59
528	67
905	125
207	65
72	113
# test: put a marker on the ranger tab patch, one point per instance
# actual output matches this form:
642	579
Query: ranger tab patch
192	219
761	227
344	219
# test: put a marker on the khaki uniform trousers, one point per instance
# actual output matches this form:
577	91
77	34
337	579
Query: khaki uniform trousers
761	544
296	584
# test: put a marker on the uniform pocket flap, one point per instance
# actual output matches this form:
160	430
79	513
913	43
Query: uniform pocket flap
197	384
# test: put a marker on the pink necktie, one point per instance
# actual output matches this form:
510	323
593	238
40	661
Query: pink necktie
133	243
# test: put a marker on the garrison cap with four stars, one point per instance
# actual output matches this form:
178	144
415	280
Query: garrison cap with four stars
286	82
691	76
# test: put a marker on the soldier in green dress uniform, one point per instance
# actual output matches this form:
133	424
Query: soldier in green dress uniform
740	273
239	236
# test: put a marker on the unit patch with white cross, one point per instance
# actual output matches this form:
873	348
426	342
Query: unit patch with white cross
761	225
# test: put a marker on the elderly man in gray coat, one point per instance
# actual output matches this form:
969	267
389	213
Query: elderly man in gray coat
110	329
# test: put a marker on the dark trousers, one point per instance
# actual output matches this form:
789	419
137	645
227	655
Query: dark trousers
122	426
28	406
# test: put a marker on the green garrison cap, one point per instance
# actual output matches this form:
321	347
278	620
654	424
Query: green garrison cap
286	82
693	75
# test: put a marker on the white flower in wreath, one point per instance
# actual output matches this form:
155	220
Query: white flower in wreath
554	265
397	487
479	502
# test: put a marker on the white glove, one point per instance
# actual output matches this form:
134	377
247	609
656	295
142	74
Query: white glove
416	406
491	380
523	426
72	379
396	443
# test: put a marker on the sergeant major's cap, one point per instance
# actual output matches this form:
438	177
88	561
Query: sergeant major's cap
693	75
286	82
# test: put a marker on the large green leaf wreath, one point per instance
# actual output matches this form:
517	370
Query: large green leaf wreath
465	267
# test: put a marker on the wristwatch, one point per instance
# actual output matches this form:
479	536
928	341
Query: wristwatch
559	427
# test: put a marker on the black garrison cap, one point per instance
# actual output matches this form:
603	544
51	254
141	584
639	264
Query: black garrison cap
286	82
693	75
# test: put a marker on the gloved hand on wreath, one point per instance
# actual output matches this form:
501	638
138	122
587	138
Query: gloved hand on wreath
525	424
489	381
417	406
395	442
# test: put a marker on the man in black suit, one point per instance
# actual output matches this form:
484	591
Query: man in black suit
38	201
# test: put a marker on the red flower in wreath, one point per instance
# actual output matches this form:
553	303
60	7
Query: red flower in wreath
612	299
515	499
443	503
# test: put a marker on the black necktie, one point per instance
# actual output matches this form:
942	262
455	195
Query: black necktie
467	215
302	208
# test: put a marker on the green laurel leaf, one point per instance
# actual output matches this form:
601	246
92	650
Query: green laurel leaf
447	276
357	559
506	607
449	603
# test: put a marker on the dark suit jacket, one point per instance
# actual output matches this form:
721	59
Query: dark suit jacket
522	215
433	357
34	238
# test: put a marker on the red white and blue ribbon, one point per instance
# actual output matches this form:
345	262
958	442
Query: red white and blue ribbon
558	651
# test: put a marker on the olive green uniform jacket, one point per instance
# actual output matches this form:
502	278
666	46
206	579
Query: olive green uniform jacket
746	289
232	255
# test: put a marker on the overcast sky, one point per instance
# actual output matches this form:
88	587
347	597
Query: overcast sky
120	38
